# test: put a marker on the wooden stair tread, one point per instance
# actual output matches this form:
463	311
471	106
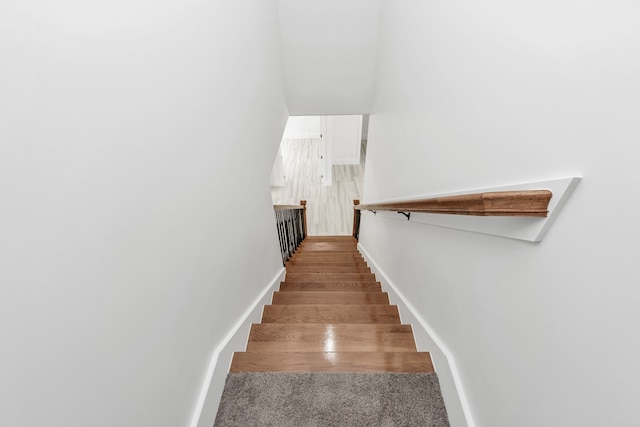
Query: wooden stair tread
326	259
332	362
330	239
327	255
328	246
302	337
330	314
330	286
336	251
343	250
335	263
327	269
332	277
321	297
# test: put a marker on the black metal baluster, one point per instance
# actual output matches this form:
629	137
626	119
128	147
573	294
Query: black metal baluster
290	225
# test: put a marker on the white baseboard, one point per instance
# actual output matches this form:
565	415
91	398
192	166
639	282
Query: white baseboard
236	340
456	402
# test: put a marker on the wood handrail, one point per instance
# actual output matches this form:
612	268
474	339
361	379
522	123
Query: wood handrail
534	203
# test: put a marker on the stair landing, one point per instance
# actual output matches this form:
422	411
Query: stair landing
330	315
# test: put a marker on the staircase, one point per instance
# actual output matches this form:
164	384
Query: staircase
330	315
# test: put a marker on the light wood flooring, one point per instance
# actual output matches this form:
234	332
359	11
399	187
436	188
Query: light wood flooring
330	315
329	208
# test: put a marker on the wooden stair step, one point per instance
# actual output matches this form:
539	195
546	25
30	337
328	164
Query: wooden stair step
304	337
320	297
326	254
330	239
332	362
330	286
327	269
330	277
333	257
328	262
328	246
330	314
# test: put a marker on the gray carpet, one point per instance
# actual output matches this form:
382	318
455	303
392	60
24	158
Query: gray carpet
331	399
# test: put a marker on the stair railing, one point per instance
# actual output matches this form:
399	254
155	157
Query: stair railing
530	203
291	222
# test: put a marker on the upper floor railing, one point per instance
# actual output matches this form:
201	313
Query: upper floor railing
291	221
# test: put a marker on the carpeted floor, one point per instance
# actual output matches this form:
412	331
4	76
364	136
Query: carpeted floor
331	399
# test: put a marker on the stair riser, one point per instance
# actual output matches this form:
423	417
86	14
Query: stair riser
328	246
332	362
328	263
340	298
331	314
325	254
328	269
324	258
346	239
330	286
329	277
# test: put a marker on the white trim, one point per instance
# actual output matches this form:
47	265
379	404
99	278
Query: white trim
302	135
326	151
235	340
451	383
519	228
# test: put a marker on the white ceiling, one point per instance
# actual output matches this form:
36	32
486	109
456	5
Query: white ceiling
329	52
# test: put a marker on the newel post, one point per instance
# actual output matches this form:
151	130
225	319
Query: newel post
303	203
356	219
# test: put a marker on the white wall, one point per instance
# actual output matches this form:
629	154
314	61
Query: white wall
365	126
329	54
340	146
277	178
130	209
481	94
302	127
344	133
